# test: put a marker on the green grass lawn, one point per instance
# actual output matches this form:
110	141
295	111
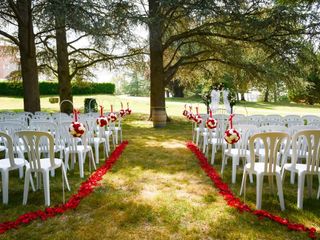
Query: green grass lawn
174	105
157	190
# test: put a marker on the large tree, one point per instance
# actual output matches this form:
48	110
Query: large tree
17	15
188	33
86	33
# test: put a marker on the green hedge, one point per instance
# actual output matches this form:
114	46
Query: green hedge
51	88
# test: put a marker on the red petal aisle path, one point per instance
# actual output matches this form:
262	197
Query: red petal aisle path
85	190
235	202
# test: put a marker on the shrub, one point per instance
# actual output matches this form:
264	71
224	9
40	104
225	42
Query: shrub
51	88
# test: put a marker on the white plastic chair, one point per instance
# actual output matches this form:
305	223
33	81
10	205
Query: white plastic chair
239	149
311	139
216	139
8	164
272	142
76	146
96	138
116	128
39	165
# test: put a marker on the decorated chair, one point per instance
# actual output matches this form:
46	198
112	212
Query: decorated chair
76	146
239	149
272	142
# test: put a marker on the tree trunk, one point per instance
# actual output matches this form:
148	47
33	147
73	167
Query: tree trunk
65	90
266	95
29	70
242	97
157	96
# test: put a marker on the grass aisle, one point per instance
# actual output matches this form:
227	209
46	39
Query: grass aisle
156	190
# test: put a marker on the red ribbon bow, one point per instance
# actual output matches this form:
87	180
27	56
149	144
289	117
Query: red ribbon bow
75	114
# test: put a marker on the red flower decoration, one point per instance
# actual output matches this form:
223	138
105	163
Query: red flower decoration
77	129
128	110
211	123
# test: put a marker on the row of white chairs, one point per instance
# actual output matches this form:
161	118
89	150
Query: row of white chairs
297	148
62	143
275	150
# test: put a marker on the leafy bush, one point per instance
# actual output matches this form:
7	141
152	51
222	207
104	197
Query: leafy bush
51	88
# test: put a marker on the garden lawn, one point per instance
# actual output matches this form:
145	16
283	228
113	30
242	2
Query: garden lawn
174	106
157	190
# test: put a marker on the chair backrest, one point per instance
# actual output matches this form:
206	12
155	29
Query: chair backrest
256	119
311	139
310	119
272	120
32	143
8	142
273	143
292	130
273	128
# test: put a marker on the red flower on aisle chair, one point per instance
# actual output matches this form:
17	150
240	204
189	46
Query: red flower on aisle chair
76	129
211	123
231	135
102	120
112	116
122	112
197	118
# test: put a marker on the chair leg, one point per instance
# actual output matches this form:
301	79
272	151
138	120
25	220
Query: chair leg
66	161
116	133
27	178
223	163
318	194
235	162
121	135
81	163
46	187
21	172
96	152
65	176
301	178
205	143
292	176
244	180
259	191
280	191
92	160
197	137
5	186
213	153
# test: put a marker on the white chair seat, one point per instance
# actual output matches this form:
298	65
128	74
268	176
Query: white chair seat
46	164
298	168
19	162
80	148
259	168
234	151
